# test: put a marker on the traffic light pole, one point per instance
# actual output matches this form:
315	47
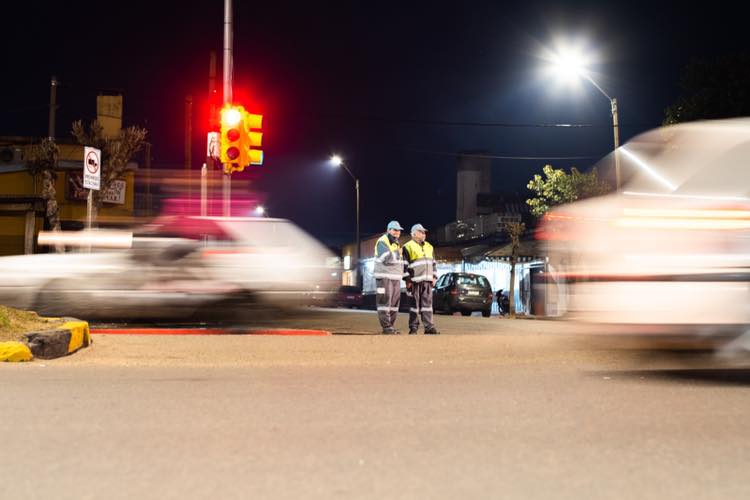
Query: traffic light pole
227	177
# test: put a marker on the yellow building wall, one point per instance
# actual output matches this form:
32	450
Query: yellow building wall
12	227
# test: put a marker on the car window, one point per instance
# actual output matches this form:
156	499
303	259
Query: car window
473	280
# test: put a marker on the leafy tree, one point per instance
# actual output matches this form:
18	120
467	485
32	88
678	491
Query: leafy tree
116	152
42	161
515	231
558	187
712	89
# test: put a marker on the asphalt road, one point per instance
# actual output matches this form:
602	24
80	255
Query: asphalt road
490	409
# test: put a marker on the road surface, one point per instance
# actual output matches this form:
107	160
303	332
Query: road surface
491	408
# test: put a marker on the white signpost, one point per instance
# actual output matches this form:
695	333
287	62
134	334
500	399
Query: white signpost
92	178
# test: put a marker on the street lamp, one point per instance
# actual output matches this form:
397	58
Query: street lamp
337	161
571	64
260	210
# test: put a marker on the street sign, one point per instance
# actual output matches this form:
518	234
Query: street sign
212	145
92	168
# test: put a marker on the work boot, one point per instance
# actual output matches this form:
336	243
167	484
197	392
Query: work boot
412	332
431	331
389	331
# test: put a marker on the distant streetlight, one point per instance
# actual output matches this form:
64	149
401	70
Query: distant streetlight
571	64
260	210
337	161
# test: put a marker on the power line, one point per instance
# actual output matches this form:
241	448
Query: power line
501	157
463	123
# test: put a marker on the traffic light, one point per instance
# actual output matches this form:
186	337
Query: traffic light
231	135
253	124
240	139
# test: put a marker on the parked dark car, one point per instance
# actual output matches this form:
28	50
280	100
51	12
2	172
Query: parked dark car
349	296
464	292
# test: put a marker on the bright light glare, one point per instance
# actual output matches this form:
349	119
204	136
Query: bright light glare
568	63
260	210
231	116
648	169
336	160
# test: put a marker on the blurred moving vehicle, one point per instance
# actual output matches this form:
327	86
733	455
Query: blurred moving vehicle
349	296
669	253
464	292
179	267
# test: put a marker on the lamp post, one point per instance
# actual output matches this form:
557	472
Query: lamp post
337	161
571	64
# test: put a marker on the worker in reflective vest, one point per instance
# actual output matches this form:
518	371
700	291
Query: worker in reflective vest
389	271
419	259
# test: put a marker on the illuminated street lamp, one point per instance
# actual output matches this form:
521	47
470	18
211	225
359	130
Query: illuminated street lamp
337	161
260	210
571	64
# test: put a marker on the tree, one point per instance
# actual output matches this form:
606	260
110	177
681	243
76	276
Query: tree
711	89
515	231
558	187
42	161
116	152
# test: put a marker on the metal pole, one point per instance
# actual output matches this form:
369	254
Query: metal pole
227	179
356	255
147	160
52	107
89	210
188	141
616	128
212	111
204	190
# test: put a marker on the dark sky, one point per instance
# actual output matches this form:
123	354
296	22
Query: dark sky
370	80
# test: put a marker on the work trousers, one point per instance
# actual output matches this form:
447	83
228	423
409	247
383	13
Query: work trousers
388	299
421	303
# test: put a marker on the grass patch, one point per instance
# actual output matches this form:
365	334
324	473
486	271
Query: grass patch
14	323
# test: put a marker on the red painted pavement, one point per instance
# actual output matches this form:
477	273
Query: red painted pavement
202	331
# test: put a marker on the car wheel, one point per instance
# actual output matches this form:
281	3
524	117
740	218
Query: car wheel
486	313
465	313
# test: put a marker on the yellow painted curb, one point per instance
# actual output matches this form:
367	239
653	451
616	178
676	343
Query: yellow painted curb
14	351
79	335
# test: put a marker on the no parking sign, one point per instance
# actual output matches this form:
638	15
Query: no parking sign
92	168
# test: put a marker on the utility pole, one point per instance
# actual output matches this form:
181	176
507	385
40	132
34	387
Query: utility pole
52	107
188	141
227	179
616	128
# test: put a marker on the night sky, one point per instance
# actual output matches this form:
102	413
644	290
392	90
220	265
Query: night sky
396	88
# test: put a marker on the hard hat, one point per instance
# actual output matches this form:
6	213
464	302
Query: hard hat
395	225
417	227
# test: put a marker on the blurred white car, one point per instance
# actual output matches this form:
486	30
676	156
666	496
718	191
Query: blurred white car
179	267
669	253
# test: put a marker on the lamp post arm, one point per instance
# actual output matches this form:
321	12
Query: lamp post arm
597	86
349	172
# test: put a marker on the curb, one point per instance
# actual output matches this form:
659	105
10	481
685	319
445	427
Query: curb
73	335
14	351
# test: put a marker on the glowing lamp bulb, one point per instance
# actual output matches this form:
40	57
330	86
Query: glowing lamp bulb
231	116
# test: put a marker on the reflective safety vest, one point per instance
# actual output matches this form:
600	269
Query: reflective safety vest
421	261
388	260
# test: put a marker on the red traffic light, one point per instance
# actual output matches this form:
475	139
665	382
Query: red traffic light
233	153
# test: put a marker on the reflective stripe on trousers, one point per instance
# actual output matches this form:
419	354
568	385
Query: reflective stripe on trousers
421	304
388	299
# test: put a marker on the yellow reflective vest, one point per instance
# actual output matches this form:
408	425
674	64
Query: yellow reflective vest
389	263
420	261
